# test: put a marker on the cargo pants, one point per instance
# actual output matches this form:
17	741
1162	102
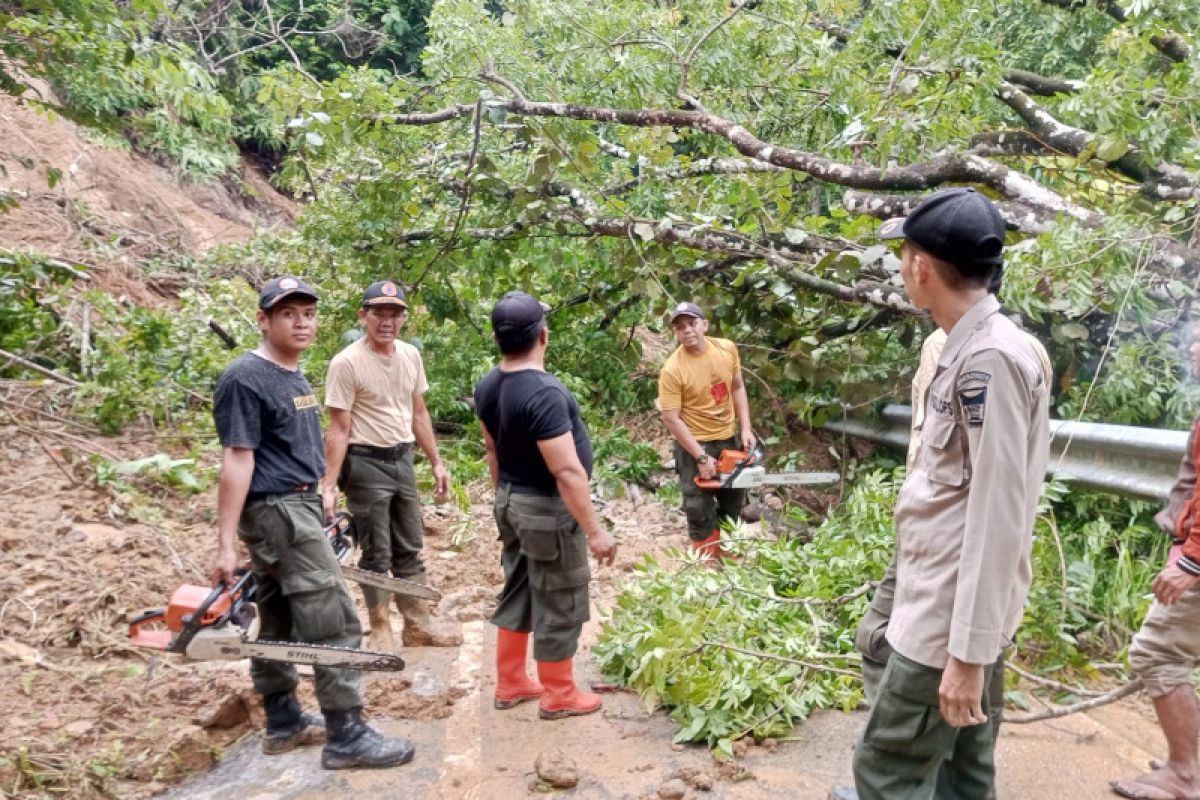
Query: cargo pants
706	510
306	597
383	499
546	572
909	752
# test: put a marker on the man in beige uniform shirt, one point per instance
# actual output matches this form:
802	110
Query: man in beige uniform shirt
964	517
375	393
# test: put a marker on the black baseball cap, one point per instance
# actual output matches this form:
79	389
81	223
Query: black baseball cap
959	226
285	286
686	310
516	314
384	293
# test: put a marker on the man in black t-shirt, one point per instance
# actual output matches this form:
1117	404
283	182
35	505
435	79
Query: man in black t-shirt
269	424
540	459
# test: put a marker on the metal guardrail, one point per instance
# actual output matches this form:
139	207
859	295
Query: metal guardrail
1122	459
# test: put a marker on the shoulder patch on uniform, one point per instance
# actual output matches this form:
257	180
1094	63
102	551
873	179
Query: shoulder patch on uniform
974	376
974	401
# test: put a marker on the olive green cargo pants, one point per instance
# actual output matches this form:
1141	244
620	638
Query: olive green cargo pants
909	752
386	506
306	598
546	572
706	510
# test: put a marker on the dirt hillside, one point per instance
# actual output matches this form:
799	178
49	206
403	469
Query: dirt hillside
114	207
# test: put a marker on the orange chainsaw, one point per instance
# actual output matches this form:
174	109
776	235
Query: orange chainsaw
742	469
222	623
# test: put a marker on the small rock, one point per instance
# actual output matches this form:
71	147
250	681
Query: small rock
740	747
78	728
769	744
678	748
693	777
554	768
230	712
672	790
75	536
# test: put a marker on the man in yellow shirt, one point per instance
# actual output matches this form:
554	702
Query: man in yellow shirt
703	403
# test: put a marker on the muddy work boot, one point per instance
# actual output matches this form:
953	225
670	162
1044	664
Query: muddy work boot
353	743
422	629
380	639
288	727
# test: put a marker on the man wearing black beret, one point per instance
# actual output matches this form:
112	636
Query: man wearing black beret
964	517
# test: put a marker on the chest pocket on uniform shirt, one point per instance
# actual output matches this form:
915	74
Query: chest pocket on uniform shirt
945	460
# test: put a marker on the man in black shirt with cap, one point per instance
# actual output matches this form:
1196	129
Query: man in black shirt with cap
540	459
269	424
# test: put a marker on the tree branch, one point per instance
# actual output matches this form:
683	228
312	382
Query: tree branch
1170	44
1132	687
1159	182
1167	254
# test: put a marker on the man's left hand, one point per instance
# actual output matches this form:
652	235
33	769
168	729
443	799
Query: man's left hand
961	694
1171	583
441	484
748	439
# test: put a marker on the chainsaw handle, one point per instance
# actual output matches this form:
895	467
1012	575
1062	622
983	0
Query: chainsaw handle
156	639
192	622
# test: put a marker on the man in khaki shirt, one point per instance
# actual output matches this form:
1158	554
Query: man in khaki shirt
964	517
375	392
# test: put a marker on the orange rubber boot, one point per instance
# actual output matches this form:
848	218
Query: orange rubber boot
710	549
562	698
513	684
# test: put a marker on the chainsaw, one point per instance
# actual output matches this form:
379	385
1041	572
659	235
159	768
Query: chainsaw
741	469
342	538
222	624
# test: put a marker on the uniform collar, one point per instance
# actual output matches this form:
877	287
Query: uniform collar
969	323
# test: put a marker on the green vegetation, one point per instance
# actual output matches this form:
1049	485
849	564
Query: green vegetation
613	159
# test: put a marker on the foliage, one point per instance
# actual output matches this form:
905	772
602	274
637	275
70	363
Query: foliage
671	627
160	469
1094	556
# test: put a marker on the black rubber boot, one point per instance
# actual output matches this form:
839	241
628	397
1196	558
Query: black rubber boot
354	743
288	727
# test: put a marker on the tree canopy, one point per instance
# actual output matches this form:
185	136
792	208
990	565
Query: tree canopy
623	156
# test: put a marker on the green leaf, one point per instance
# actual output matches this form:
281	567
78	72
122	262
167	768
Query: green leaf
1110	148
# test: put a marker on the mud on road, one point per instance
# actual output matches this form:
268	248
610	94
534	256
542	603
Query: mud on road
87	715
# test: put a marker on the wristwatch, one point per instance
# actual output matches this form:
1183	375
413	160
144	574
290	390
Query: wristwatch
703	458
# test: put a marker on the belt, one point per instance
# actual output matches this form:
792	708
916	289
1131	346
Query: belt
535	491
380	453
299	488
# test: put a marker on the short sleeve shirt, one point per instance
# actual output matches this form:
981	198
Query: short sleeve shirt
377	390
261	406
520	409
701	388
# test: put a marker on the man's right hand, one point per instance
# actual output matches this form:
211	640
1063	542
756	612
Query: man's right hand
329	498
602	546
708	470
223	567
